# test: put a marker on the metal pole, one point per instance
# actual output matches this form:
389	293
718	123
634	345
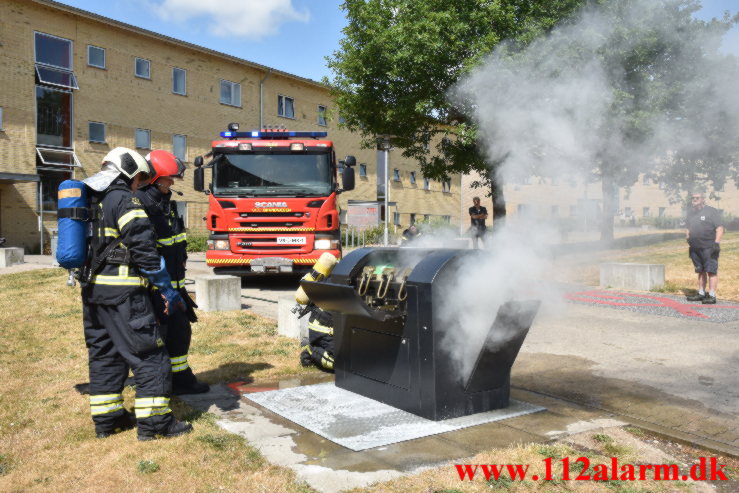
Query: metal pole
386	145
41	215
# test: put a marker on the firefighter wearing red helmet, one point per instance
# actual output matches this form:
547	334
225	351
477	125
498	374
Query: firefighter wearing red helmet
172	245
121	329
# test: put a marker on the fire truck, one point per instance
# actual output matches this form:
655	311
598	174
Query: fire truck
272	200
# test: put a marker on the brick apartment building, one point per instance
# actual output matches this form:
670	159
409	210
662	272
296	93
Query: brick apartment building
74	85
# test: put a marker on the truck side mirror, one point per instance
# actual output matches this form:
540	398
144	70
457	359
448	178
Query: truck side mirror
198	161
347	178
350	161
198	177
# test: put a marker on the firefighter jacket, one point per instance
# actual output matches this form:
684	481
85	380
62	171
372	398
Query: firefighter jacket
169	229
119	217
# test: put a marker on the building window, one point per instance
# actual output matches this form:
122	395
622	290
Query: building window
662	211
363	170
142	68
143	138
447	219
95	56
49	181
179	81
285	107
426	184
396	218
426	218
96	131
413	218
342	120
230	93
646	212
413	177
322	115
179	146
53	117
628	212
1	119
446	186
396	174
53	51
54	62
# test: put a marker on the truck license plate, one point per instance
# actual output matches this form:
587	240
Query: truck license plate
291	240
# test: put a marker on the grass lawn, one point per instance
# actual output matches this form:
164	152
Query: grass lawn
680	277
46	435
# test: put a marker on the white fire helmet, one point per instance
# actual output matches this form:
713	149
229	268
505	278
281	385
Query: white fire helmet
119	161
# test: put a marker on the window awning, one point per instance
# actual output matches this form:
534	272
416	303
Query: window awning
56	77
52	157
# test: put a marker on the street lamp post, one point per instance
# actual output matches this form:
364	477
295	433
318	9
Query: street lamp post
384	145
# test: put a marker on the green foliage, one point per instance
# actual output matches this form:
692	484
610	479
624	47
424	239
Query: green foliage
221	442
602	438
196	242
502	483
4	464
147	466
371	236
399	59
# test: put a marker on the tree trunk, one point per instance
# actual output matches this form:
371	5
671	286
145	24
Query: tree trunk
499	208
606	223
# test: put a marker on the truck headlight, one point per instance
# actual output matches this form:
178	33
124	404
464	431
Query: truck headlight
326	244
218	245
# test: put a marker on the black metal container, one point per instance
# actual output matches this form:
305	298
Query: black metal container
389	348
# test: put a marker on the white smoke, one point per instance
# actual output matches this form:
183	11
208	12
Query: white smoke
548	111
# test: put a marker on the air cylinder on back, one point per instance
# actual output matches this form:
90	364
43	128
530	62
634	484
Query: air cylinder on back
72	218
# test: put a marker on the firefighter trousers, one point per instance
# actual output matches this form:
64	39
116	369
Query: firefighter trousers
178	336
119	337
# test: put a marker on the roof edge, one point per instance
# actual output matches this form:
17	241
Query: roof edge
145	32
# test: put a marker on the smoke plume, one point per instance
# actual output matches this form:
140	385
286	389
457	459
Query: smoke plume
587	101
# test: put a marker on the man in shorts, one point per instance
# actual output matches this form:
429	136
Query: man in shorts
705	229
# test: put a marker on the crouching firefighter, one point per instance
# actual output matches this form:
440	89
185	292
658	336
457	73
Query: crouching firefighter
121	330
172	246
319	349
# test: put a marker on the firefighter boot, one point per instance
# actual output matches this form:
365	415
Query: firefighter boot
174	429
185	382
125	421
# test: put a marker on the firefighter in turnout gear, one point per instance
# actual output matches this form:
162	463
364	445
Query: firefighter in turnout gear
121	330
172	246
320	347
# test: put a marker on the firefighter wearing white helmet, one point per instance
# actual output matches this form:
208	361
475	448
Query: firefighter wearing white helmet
121	330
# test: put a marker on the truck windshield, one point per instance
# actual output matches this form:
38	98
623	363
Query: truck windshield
285	174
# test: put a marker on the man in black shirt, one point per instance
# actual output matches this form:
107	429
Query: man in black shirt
478	214
704	233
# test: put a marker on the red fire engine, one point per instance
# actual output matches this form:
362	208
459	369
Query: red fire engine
272	200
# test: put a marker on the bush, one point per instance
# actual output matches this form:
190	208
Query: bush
196	241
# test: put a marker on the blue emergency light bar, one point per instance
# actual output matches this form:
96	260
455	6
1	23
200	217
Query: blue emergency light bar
257	134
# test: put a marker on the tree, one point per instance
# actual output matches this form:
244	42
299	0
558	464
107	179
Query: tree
626	84
399	59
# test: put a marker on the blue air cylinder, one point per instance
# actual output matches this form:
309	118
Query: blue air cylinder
71	250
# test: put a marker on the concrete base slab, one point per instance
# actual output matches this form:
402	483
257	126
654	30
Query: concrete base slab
11	256
359	423
288	323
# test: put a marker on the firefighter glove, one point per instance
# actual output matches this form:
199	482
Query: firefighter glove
160	278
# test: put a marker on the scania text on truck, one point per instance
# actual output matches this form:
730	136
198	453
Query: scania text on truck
272	200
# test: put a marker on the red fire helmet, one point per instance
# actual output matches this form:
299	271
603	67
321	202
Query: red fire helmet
164	163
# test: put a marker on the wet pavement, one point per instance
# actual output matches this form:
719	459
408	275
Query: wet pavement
590	366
